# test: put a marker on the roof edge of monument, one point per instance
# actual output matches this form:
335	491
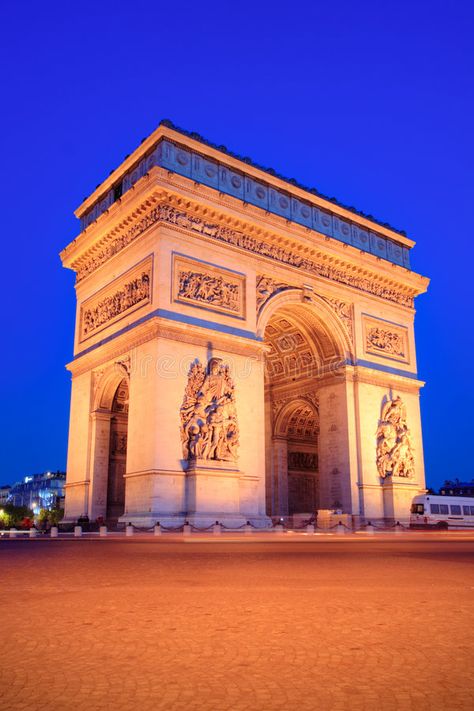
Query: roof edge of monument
162	130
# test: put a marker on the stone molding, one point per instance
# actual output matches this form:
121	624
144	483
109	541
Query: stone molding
237	182
159	327
242	236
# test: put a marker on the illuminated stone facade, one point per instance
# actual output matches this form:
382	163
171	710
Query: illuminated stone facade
244	347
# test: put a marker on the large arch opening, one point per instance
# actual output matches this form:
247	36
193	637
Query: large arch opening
305	350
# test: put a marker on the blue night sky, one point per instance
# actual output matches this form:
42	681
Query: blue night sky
371	102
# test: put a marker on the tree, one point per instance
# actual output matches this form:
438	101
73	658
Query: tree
13	516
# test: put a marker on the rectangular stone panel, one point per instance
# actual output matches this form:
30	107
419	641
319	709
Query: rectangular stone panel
360	238
279	203
301	212
378	245
208	286
385	339
322	221
205	171
231	182
342	229
256	193
118	299
175	158
394	252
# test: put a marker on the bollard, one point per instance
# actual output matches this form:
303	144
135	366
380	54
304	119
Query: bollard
340	530
157	529
103	531
370	529
12	532
279	528
186	529
33	532
129	530
54	532
398	528
310	528
77	531
248	529
216	529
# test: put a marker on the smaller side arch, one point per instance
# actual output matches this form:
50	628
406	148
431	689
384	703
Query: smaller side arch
107	386
282	420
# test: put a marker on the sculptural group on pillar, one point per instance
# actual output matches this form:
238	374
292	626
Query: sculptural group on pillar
209	428
394	444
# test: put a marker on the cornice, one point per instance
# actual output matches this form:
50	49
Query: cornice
384	378
161	328
180	139
215	223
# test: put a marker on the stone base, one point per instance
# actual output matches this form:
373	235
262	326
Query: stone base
398	493
212	490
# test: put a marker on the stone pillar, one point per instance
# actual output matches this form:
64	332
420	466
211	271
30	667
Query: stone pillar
77	480
390	497
279	465
99	463
338	472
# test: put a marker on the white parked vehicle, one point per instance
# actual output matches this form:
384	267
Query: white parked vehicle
433	511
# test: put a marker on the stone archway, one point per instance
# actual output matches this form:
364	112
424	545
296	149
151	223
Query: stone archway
117	453
307	350
109	433
295	466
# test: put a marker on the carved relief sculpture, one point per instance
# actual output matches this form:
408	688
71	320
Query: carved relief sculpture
209	428
172	215
303	461
345	313
207	286
394	445
124	295
266	287
385	340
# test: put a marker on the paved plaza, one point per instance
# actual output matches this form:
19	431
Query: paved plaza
233	625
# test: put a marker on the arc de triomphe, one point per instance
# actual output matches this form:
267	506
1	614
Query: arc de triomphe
244	347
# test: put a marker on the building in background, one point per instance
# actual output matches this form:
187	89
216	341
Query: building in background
39	491
457	488
4	493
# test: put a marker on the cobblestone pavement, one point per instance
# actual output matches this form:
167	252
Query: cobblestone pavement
152	624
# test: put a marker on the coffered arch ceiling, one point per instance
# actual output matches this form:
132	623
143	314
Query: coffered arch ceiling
299	344
299	420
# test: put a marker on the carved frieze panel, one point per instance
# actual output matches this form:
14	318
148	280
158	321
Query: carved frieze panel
204	285
303	461
118	299
385	339
169	214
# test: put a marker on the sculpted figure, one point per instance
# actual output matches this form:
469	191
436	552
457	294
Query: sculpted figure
209	427
394	446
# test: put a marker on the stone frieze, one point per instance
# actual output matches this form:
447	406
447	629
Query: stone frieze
123	296
172	215
207	286
385	339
